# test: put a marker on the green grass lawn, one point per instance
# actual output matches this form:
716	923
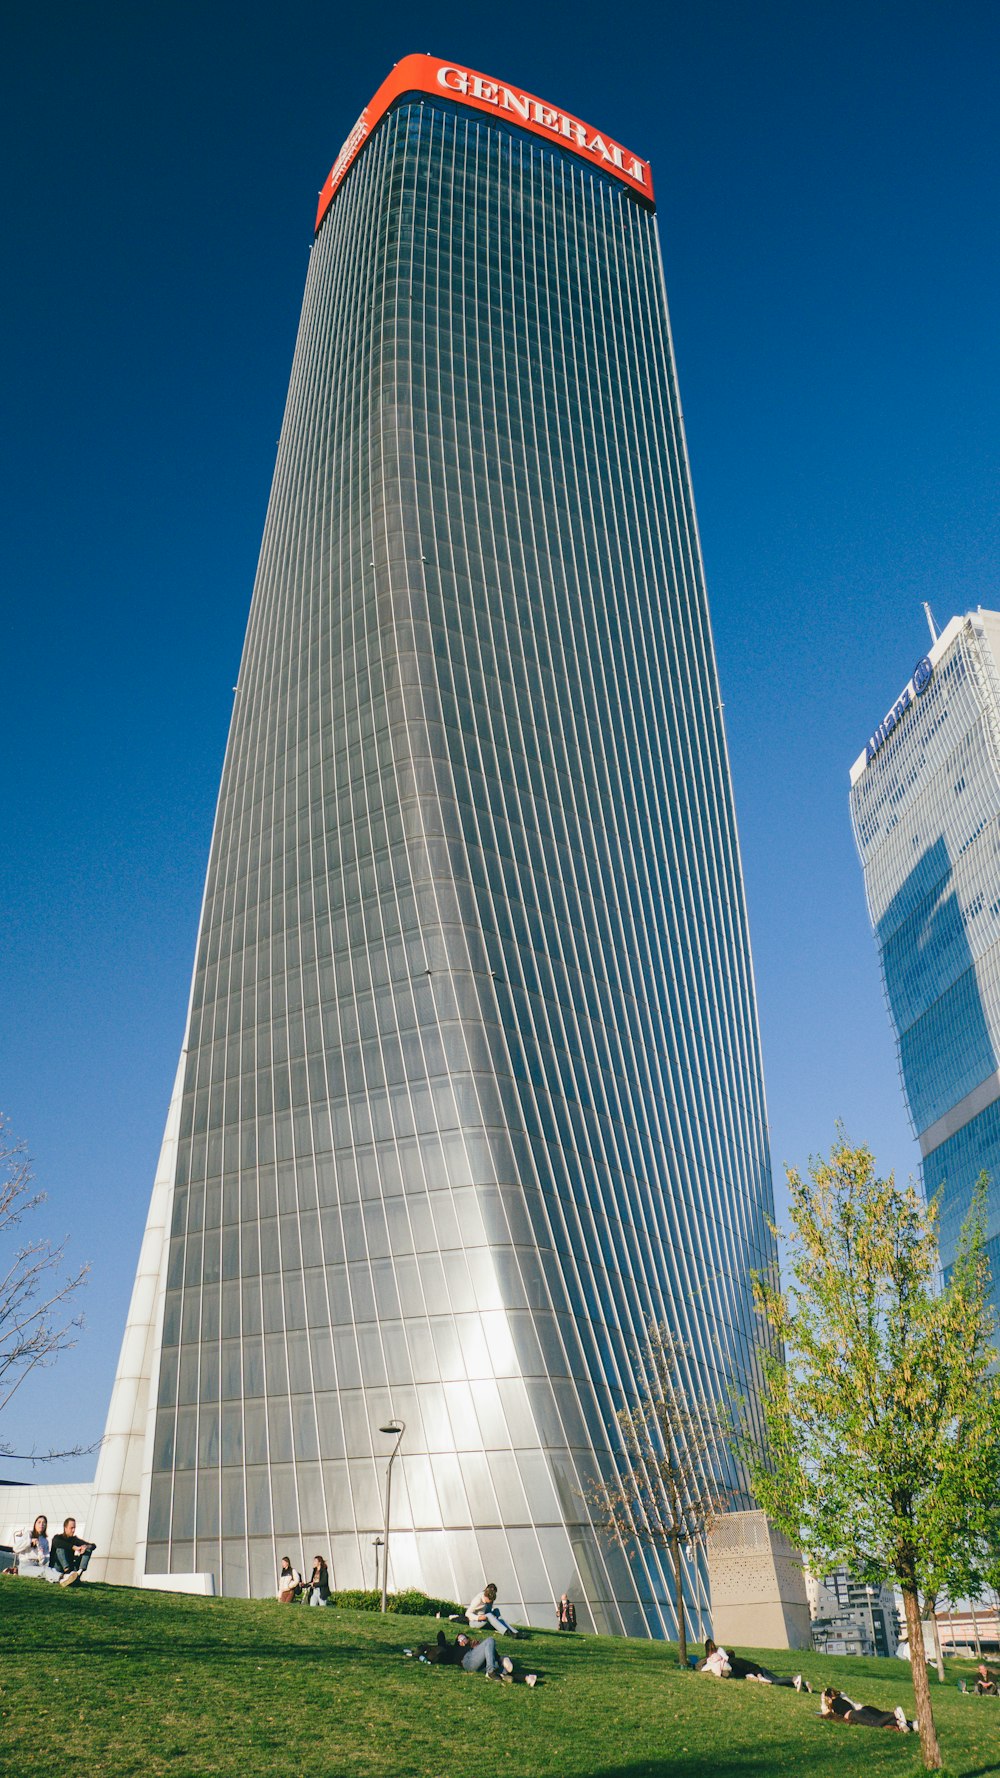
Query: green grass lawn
116	1682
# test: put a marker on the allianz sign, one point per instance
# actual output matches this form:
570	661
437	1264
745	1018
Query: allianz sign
919	682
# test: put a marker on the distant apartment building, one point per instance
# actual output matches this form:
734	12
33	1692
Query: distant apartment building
925	806
850	1618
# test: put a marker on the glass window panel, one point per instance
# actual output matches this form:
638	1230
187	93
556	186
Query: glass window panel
255	1432
234	1568
312	1506
262	1569
330	1425
367	1495
304	1436
284	1503
159	1510
208	1436
208	1503
233	1507
186	1438
348	1365
279	1423
182	1514
479	1488
258	1501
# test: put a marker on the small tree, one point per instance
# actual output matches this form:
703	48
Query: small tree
883	1423
668	1492
33	1330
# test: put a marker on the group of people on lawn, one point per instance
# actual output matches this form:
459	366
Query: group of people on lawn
479	1655
63	1560
291	1587
722	1663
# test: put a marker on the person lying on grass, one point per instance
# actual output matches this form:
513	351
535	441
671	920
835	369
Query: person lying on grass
474	1656
723	1663
838	1708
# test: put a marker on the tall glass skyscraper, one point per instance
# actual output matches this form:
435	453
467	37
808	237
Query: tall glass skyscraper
925	803
471	1088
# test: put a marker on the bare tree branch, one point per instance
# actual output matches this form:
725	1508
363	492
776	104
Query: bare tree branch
33	1331
10	1456
669	1489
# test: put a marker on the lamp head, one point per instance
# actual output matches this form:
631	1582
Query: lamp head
391	1429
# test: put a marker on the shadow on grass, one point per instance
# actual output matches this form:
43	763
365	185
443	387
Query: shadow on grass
749	1765
173	1653
672	1765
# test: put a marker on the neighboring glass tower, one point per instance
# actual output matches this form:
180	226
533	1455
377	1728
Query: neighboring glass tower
471	1088
925	803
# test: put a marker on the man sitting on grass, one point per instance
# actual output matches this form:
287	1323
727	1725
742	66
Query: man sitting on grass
69	1555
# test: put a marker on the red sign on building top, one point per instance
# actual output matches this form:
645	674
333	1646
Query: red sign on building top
425	74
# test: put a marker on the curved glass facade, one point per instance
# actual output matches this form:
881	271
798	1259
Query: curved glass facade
471	1087
926	814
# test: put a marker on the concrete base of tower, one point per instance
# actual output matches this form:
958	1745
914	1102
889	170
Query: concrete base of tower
202	1584
757	1584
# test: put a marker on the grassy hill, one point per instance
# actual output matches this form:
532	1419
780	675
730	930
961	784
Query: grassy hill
118	1682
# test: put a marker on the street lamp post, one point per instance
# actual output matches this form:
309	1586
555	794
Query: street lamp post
871	1620
395	1429
975	1630
376	1546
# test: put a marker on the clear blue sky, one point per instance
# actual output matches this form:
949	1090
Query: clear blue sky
826	180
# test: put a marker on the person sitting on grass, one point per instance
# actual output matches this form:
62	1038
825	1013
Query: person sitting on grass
319	1582
986	1685
716	1662
32	1551
839	1708
69	1555
289	1582
473	1656
485	1610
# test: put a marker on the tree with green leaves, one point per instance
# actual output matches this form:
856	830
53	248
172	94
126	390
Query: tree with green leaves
882	1448
668	1492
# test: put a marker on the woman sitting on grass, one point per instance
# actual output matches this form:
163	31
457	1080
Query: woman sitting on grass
32	1551
835	1705
485	1610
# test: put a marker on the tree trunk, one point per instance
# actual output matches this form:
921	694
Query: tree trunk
921	1685
682	1647
938	1656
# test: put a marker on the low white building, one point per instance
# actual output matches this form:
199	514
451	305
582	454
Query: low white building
21	1503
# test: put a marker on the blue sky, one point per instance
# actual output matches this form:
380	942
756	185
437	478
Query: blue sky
826	186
